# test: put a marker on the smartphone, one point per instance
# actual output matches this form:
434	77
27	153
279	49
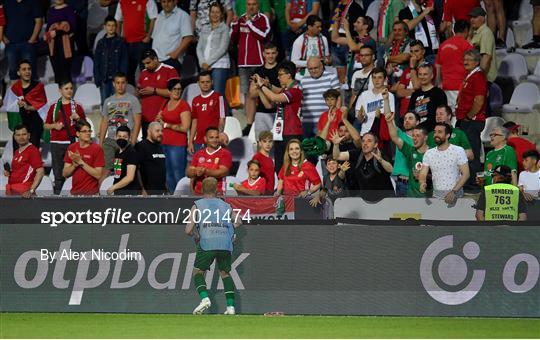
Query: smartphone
7	167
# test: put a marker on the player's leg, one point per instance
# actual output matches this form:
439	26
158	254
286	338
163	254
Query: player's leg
224	266
203	260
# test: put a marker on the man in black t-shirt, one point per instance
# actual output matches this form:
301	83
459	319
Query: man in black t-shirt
269	71
427	98
124	165
369	174
152	161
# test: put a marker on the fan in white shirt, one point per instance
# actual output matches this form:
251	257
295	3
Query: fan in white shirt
529	178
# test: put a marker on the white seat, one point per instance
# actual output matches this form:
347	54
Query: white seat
48	76
491	123
522	27
190	92
99	36
7	156
319	168
46	155
242	173
88	97
233	129
45	188
52	92
241	148
513	66
106	184
3	182
231	180
524	98
89	120
183	186
87	71
66	188
535	77
510	39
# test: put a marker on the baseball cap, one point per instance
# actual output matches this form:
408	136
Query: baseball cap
477	12
503	170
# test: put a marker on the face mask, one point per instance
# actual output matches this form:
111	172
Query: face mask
122	143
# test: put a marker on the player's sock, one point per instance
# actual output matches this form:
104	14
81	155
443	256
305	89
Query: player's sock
200	284
228	284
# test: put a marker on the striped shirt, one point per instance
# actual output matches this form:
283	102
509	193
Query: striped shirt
314	105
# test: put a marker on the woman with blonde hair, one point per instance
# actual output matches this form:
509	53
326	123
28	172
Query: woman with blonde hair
297	176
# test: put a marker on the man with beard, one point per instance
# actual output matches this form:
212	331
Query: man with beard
152	161
448	164
401	168
443	114
369	175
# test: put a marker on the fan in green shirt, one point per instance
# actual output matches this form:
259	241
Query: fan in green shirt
502	154
443	114
414	154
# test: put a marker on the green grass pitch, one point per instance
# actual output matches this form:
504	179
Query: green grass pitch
82	325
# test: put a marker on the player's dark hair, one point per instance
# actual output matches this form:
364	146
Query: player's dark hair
403	24
23	61
204	74
312	19
331	93
447	128
210	128
109	18
119	75
532	153
64	83
80	124
369	22
20	126
269	45
370	48
375	138
288	67
149	53
417	43
416	115
378	70
446	108
421	128
171	83
461	26
123	128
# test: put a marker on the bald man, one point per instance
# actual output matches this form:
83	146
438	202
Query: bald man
152	170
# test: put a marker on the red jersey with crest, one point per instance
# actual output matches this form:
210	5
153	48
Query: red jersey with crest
211	160
207	110
267	171
258	185
299	178
158	79
291	111
24	165
83	183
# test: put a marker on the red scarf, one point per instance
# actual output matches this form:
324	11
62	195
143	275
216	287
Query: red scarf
303	53
36	97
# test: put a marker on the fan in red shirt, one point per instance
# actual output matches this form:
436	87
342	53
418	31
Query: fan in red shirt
84	160
454	10
519	144
254	185
212	161
265	161
152	85
26	170
297	177
331	97
288	103
207	109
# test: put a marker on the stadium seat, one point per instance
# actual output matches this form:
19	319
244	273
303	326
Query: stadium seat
524	98
242	173
510	45
66	188
94	132
106	184
241	148
190	92
52	92
99	36
7	155
89	97
233	129
491	123
3	182
182	187
87	71
531	57
46	155
48	76
513	66
522	27
535	77
231	180
45	188
495	97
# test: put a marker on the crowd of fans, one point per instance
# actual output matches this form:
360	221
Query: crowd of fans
398	115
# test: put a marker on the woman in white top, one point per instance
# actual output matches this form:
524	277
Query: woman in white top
212	49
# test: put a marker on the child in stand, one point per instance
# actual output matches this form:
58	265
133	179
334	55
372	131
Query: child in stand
255	185
334	185
266	163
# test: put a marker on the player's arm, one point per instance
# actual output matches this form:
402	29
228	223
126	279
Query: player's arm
103	129
191	171
514	178
392	129
40	172
69	169
355	135
130	176
422	178
465	174
190	226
